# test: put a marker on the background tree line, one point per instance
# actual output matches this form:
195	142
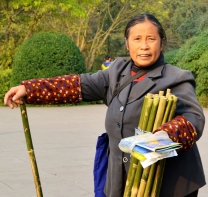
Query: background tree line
97	27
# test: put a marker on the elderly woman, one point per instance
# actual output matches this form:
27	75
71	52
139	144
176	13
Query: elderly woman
145	39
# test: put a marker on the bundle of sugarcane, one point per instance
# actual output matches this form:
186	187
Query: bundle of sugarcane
156	110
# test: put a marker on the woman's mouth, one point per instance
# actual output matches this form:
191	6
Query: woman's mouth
144	56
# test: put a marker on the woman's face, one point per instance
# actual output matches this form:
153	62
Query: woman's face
144	44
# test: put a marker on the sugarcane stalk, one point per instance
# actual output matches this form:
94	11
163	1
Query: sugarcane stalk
143	181
142	111
131	173
147	114
152	114
158	178
30	149
161	93
137	178
146	108
156	123
167	110
149	128
160	112
160	106
161	164
150	180
130	176
146	171
168	92
146	98
148	117
173	108
151	120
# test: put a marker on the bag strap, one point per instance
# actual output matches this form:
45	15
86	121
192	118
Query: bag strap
137	75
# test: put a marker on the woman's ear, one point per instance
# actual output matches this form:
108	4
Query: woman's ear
162	44
126	43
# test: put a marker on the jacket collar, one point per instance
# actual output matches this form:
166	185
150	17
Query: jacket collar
160	62
143	87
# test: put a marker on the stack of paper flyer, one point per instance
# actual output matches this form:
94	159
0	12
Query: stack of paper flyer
152	147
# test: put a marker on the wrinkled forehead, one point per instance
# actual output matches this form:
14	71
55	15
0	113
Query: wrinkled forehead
144	28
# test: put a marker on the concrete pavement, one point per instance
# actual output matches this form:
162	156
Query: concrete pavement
64	140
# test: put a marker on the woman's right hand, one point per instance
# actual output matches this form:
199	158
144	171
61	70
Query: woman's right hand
12	97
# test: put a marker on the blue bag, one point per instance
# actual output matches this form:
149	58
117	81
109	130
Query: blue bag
100	165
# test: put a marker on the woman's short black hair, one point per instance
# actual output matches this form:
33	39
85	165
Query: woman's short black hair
140	18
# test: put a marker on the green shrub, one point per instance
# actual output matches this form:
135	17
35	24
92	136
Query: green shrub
193	56
46	54
203	100
5	76
170	56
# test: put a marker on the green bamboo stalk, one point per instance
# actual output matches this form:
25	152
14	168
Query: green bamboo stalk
167	110
173	108
160	112
149	118
148	174
168	92
150	180
161	93
142	124
142	111
149	128
161	164
158	178
156	123
153	114
148	96
137	178
147	114
143	181
31	150
130	177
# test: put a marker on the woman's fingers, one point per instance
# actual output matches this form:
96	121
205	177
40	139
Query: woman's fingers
8	101
12	97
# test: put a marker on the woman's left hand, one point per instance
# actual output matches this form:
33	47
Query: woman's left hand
180	130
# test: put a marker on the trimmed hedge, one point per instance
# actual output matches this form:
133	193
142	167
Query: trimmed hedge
5	76
46	54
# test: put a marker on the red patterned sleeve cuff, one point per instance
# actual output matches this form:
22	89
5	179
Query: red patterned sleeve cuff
56	90
180	130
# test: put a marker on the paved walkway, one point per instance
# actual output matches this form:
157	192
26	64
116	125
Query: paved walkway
64	140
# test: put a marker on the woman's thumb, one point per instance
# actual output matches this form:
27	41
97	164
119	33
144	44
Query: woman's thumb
16	97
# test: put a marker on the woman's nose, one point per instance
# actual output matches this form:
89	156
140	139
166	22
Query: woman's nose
144	45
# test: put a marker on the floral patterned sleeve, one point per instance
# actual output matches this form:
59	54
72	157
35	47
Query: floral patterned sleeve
56	90
180	130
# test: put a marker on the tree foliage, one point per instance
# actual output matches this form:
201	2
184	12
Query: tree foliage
108	22
96	26
46	54
19	19
187	18
193	56
170	56
89	23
